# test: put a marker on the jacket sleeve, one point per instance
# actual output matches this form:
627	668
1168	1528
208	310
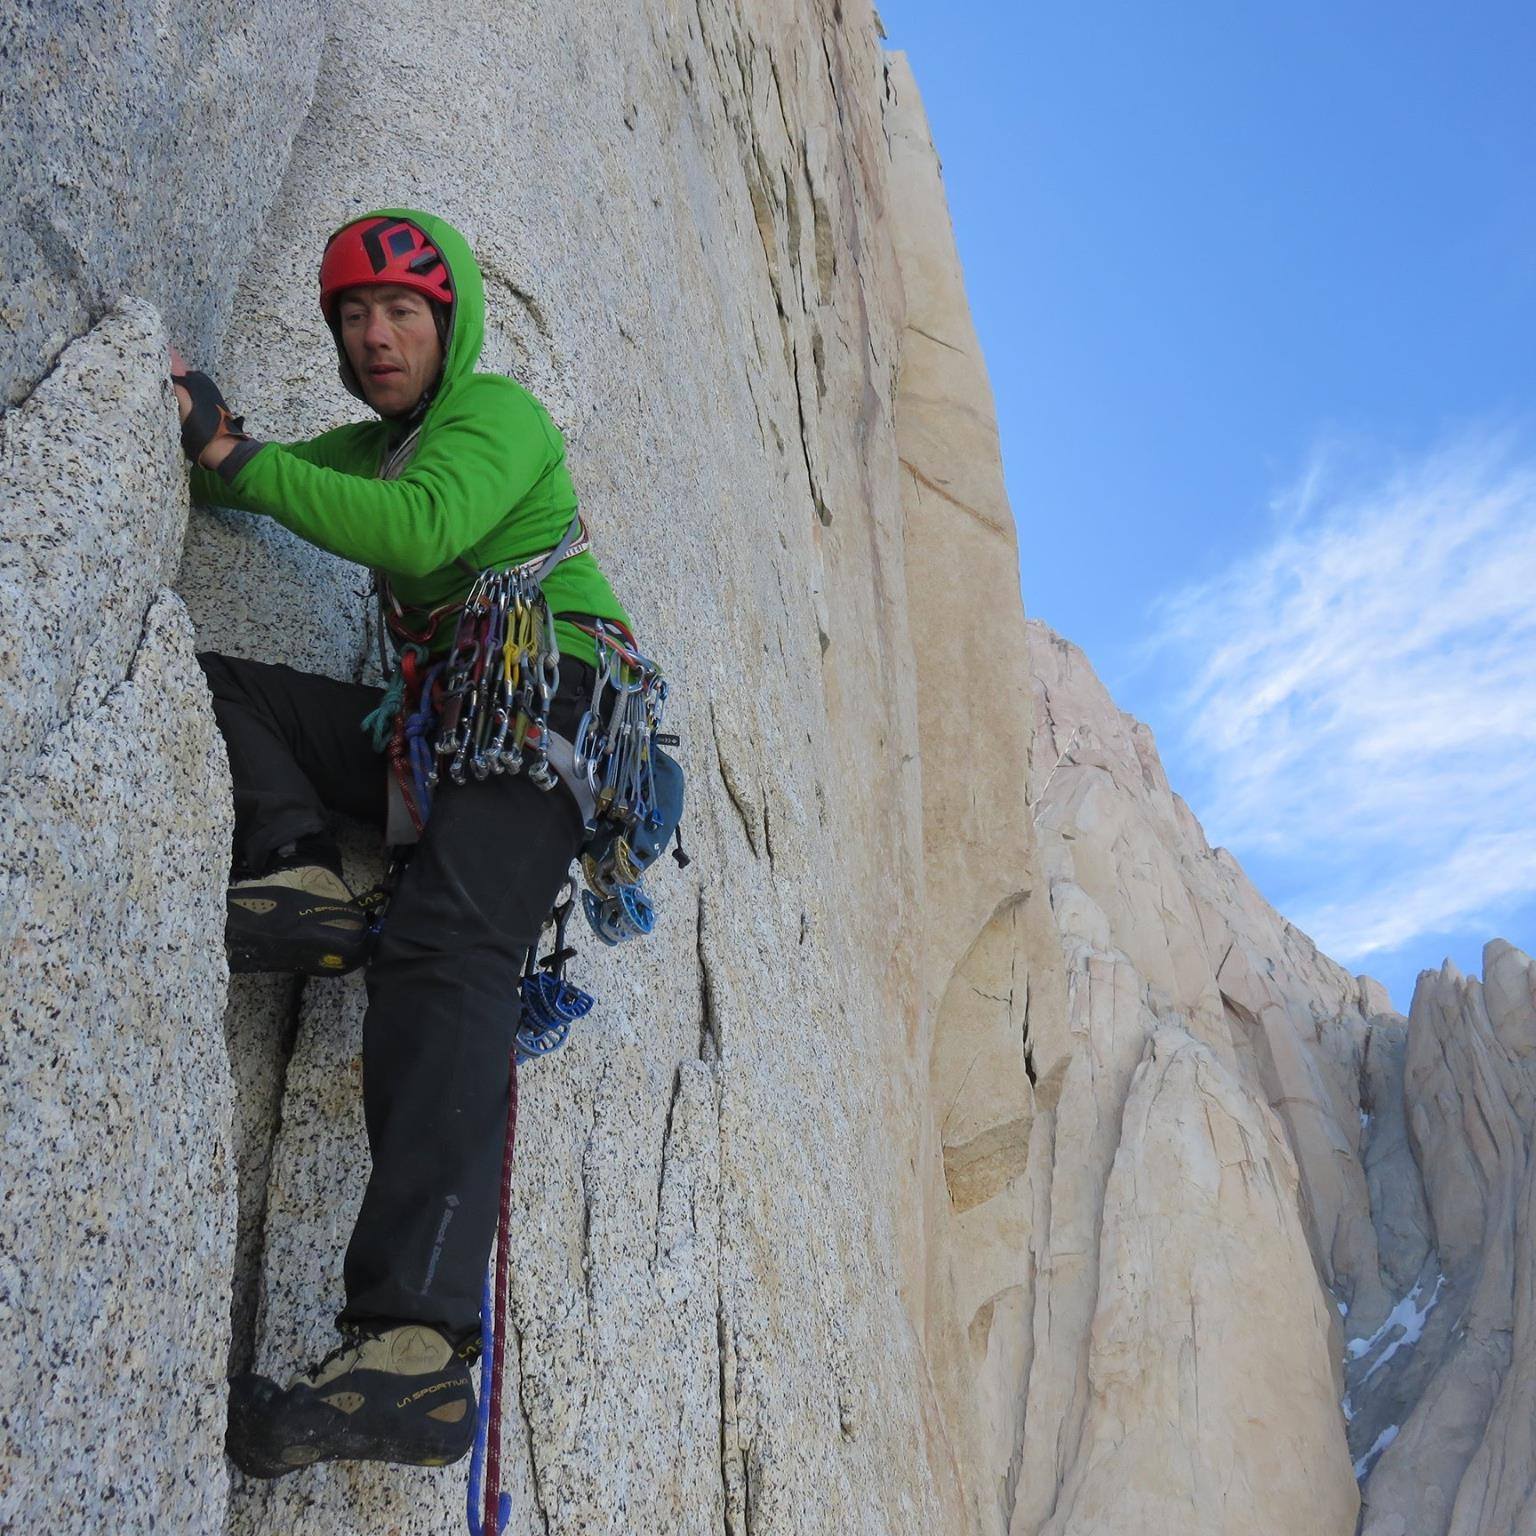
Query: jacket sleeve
336	449
486	444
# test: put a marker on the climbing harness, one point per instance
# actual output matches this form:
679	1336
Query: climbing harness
484	710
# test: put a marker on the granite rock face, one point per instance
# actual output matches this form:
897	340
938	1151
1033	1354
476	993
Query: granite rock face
1198	1073
117	1216
971	1149
1442	1392
90	527
680	217
1210	1394
139	147
991	975
1409	1142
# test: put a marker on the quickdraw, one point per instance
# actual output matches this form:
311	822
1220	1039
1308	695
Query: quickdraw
502	672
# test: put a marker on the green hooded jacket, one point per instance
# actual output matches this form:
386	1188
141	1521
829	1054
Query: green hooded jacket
486	486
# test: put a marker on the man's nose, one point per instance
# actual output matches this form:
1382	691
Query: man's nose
376	332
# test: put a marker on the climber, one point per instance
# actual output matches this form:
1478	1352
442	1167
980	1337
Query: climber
462	472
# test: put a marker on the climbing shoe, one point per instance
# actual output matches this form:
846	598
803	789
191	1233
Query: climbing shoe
399	1394
298	916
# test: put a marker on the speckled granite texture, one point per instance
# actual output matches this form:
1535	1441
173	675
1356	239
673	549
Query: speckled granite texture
139	148
117	1216
91	522
676	214
818	1215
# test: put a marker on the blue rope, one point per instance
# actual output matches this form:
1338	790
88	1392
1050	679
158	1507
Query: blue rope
550	1006
420	731
476	1498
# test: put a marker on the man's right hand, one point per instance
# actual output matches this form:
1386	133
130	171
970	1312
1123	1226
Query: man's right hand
208	430
179	366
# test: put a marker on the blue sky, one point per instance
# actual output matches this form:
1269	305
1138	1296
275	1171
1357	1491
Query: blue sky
1257	289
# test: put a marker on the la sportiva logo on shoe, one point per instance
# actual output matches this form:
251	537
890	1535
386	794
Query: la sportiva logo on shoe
437	1386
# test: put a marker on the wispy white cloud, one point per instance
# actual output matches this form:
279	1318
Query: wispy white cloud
1361	695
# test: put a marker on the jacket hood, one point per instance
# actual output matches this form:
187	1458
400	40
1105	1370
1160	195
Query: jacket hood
466	315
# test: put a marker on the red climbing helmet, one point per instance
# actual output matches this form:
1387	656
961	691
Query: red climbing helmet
381	250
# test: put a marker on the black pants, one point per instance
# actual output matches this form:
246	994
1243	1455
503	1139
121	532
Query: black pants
443	981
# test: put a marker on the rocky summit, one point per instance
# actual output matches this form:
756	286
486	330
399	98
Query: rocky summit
971	1149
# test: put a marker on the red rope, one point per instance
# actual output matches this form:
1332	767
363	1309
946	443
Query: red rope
499	1301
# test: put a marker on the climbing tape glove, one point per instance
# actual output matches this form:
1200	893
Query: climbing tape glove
209	416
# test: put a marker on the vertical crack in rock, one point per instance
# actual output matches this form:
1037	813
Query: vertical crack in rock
709	1027
743	67
778	92
767	831
826	53
586	1216
734	1487
1365	1095
1226	955
1028	1044
246	1280
535	1477
791	205
823	512
733	792
762	213
664	1161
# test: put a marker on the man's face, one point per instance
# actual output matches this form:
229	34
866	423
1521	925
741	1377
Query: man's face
391	342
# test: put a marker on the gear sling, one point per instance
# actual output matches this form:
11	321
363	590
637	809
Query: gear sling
484	709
